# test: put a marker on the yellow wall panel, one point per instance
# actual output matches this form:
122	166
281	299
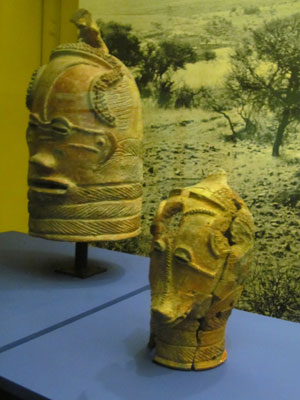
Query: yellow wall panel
20	49
29	29
57	27
51	28
68	31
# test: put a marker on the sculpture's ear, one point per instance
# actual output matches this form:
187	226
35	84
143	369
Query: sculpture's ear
100	99
171	208
242	232
157	227
242	240
165	211
32	85
218	244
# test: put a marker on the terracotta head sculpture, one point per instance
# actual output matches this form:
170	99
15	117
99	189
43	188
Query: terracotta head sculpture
202	237
84	138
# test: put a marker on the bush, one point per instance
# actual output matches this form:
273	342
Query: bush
220	27
146	70
273	292
174	54
208	55
251	10
164	91
185	97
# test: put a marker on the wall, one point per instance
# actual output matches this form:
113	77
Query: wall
29	29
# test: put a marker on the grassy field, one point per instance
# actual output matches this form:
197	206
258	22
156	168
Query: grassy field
210	73
178	8
186	18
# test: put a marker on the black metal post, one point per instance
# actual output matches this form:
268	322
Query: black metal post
81	268
81	257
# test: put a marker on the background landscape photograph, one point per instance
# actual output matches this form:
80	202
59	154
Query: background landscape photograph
220	86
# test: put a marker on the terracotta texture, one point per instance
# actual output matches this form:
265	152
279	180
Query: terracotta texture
202	240
84	137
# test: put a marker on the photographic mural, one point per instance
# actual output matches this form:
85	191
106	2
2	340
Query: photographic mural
220	85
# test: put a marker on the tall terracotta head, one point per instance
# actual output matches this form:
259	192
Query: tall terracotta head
202	237
84	138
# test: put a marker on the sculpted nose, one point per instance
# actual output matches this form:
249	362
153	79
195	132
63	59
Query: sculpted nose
43	160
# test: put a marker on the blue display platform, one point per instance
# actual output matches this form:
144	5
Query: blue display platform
104	356
35	299
69	339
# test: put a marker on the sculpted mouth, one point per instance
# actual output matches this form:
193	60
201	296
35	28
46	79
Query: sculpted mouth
48	185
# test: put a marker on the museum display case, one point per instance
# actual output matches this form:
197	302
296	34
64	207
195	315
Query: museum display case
214	95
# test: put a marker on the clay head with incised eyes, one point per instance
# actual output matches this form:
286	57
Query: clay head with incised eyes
202	237
84	138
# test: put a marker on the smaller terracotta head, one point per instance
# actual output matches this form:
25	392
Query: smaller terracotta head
202	237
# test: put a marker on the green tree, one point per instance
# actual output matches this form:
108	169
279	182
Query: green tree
121	41
146	71
225	102
161	58
174	54
266	69
218	101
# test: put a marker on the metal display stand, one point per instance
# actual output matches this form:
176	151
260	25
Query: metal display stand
81	268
